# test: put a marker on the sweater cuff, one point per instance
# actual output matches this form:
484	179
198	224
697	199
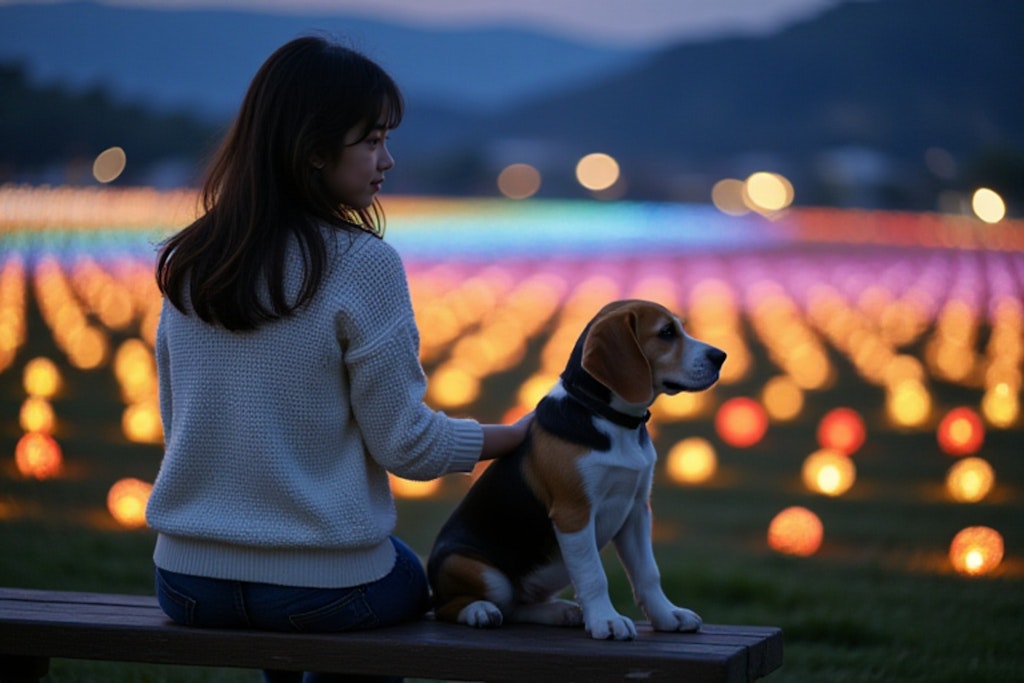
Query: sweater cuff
467	445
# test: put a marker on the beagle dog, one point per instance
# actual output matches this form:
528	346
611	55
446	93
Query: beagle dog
536	519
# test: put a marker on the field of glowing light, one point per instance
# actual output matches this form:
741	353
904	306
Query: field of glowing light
856	476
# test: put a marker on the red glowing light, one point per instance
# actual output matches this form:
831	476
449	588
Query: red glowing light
796	531
38	455
741	422
976	550
842	429
961	432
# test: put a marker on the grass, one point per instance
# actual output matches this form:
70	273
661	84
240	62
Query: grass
879	602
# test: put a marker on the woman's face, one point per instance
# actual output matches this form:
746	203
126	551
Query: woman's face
355	177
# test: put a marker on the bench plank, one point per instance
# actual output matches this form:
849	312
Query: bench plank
132	628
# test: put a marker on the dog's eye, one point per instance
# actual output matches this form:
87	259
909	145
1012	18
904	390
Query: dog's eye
668	332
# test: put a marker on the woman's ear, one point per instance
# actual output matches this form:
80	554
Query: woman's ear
316	161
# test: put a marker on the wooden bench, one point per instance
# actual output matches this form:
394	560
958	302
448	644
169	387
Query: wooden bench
38	625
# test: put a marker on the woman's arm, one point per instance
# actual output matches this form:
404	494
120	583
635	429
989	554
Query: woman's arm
501	439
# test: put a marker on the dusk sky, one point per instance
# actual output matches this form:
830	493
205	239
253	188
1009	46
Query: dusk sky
627	22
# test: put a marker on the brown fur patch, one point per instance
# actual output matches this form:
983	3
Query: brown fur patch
460	583
624	351
613	355
551	471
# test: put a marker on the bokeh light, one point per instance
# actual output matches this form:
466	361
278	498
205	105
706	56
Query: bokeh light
969	480
408	488
767	192
976	550
597	171
109	165
842	430
452	387
41	378
908	403
691	461
1001	405
783	398
141	422
126	502
37	415
796	531
727	196
961	432
741	422
988	205
38	456
135	370
519	181
829	472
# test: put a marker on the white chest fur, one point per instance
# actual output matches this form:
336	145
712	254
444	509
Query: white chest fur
617	479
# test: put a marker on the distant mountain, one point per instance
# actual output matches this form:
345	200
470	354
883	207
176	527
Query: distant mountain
872	103
864	87
203	60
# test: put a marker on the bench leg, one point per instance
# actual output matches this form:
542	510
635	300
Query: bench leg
15	669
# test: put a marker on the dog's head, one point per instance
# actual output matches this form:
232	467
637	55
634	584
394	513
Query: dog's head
639	349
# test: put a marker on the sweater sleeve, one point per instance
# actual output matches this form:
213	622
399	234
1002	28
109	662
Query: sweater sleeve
377	330
163	364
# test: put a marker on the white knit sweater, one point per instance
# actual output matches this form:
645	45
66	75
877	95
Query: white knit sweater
278	441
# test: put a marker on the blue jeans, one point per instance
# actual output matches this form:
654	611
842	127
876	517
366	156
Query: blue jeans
200	601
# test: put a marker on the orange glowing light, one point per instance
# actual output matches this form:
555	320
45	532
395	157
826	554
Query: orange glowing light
976	550
407	488
767	192
453	387
38	455
535	387
682	406
41	378
969	480
908	403
783	398
829	472
961	432
37	415
691	461
127	500
741	422
87	348
795	531
842	429
141	422
1000	405
597	171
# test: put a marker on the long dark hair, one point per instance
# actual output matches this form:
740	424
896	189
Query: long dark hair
261	187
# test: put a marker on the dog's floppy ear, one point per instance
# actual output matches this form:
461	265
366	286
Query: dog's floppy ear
612	355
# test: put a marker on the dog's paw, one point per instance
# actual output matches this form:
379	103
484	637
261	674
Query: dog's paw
676	619
551	613
571	614
481	614
611	627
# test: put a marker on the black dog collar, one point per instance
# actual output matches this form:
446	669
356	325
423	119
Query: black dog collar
596	397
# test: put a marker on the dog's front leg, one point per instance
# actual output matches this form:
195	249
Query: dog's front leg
583	560
633	545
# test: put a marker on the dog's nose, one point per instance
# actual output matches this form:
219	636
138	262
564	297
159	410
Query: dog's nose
716	356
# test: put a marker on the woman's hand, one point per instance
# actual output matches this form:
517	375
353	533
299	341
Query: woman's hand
500	439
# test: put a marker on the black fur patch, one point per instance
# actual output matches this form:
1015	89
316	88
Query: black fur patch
571	421
516	539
